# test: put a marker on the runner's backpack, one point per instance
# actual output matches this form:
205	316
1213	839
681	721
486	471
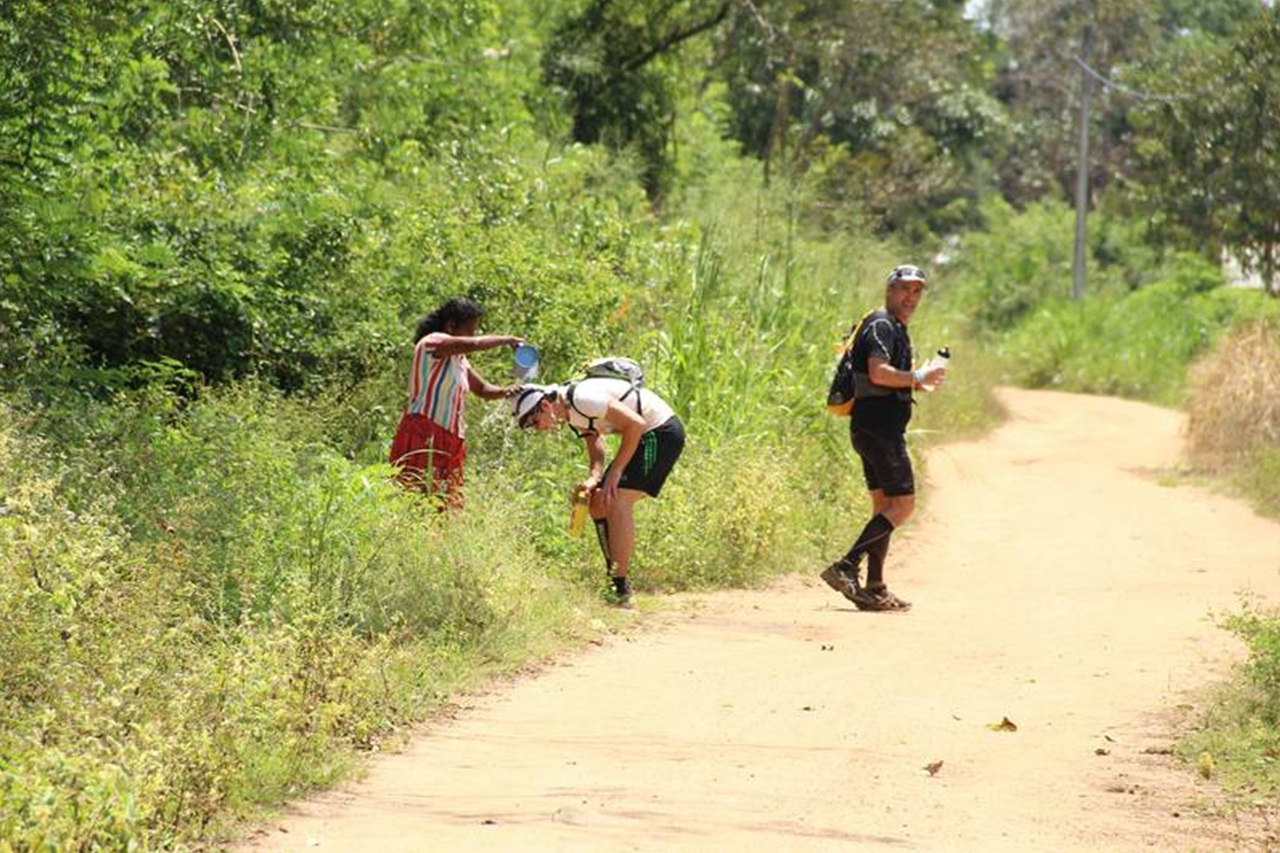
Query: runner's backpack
615	367
610	367
840	396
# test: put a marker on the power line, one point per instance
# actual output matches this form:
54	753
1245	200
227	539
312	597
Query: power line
1124	90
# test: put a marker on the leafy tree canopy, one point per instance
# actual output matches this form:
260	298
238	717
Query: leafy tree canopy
1211	156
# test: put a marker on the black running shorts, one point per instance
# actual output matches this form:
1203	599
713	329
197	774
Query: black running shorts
885	463
659	449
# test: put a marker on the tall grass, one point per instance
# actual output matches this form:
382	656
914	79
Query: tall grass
269	608
1233	407
1139	346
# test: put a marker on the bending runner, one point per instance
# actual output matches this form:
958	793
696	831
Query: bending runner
652	438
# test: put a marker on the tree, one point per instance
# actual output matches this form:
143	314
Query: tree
1211	160
1038	78
54	58
603	60
890	93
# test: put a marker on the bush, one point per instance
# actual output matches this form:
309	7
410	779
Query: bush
1241	728
738	514
1260	630
1137	345
1019	262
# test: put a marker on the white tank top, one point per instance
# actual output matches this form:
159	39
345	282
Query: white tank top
591	400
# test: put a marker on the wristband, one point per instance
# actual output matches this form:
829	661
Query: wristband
918	376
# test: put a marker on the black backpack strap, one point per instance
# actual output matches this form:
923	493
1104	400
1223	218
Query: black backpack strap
591	422
634	389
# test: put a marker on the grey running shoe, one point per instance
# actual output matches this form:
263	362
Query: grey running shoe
841	582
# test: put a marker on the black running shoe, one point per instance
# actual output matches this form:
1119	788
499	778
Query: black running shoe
880	600
621	593
838	579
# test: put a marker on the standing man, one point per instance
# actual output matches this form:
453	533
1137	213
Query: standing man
883	382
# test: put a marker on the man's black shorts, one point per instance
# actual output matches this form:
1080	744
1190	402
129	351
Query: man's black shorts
659	449
885	463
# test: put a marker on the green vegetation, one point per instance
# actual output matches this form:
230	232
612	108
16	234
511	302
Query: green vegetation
1210	169
1241	730
220	220
1148	317
1234	431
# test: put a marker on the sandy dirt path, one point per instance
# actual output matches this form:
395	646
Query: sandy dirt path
1056	582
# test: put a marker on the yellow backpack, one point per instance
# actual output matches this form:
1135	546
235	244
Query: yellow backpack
840	396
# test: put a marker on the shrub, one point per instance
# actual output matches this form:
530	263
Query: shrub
1136	345
737	514
1260	629
1017	263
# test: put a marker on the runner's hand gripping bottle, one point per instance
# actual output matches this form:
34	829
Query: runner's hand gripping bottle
942	359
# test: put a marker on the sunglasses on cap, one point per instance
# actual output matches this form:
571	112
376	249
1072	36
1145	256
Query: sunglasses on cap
906	272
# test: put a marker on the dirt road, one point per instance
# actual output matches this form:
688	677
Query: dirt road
1056	583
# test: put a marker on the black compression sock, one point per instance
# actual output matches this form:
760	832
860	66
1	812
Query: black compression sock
875	561
877	528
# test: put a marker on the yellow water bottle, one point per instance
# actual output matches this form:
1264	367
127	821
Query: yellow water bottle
578	515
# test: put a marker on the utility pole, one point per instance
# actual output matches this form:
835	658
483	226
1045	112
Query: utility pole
1082	170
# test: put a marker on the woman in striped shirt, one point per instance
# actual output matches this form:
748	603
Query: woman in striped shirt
431	435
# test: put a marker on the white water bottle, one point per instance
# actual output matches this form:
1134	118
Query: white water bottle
942	359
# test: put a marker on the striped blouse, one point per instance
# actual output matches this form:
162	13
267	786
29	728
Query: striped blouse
438	386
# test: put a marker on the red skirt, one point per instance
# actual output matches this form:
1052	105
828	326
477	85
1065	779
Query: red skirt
422	445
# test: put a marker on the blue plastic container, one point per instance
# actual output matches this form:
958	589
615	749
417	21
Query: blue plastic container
526	357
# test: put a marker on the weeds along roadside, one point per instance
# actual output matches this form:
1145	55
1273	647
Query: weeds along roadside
1233	418
270	608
